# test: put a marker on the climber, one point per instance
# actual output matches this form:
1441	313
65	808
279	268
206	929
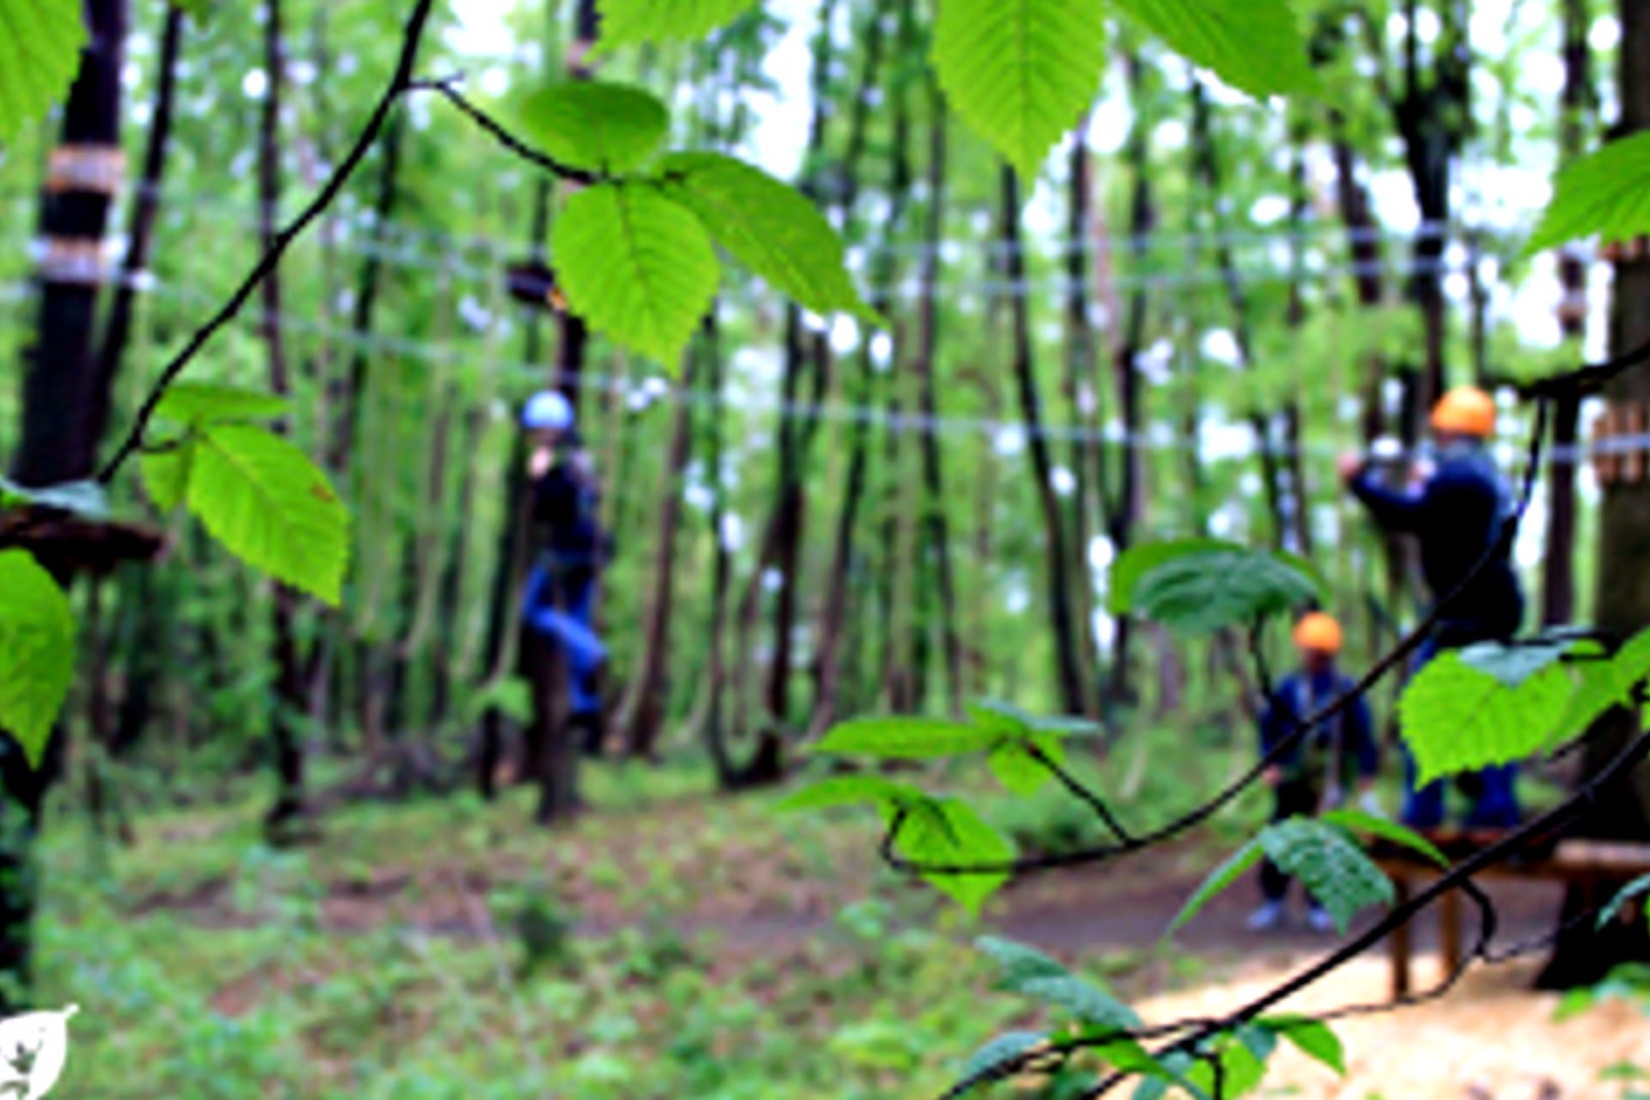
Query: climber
1456	507
561	589
1314	776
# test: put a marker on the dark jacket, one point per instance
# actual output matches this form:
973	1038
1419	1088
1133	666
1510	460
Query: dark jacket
566	502
1343	746
1456	515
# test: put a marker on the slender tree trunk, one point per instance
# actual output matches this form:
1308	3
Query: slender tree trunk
1082	368
1558	562
1581	955
936	524
289	702
643	711
117	327
1068	668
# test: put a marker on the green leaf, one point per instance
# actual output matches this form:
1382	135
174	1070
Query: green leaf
1137	561
1359	822
37	642
1000	1052
1637	888
1200	593
636	265
997	715
268	504
40	44
1019	771
769	227
595	125
1256	46
1605	194
849	790
1334	870
949	833
196	403
166	474
1020	72
1020	964
1604	684
200	10
1083	1000
1241	1069
82	498
899	738
1223	876
1514	664
1313	1038
1457	718
630	22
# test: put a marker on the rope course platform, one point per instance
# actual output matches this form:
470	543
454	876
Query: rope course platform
1587	864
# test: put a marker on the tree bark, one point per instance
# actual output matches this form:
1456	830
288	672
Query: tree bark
1581	955
1068	667
1558	562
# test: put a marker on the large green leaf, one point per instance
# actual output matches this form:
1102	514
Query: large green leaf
1458	718
40	43
1020	72
271	507
628	22
1083	1000
36	651
1203	592
1019	770
947	832
1135	562
166	473
196	403
899	738
769	227
636	265
1606	193
1332	868
1604	684
1255	46
595	125
1000	1052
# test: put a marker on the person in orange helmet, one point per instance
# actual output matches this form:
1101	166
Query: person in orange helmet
1315	774
1457	509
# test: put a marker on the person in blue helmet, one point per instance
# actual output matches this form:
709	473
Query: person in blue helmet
561	588
1457	510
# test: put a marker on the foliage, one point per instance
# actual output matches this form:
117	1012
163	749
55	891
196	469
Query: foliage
1254	45
595	125
630	22
1199	586
1602	194
1328	863
1491	704
40	43
37	633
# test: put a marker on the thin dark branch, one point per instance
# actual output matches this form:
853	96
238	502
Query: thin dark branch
412	38
1091	799
448	88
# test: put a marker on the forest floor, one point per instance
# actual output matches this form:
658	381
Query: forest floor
789	913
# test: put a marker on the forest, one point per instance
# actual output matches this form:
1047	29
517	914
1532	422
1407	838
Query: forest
825	548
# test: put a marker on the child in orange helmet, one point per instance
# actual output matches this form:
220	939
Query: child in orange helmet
1315	775
1457	510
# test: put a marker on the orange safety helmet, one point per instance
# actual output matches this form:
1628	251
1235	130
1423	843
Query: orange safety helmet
1319	632
1465	410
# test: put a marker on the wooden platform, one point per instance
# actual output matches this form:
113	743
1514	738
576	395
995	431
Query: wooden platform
1582	863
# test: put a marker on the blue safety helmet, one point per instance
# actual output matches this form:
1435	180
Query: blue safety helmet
547	411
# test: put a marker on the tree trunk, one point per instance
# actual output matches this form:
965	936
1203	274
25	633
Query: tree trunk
1082	397
643	711
1558	562
1068	667
1582	956
290	700
57	445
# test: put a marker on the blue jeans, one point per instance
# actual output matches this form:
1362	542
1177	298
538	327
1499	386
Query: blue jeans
1494	807
566	622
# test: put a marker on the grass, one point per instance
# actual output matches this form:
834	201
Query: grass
672	944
